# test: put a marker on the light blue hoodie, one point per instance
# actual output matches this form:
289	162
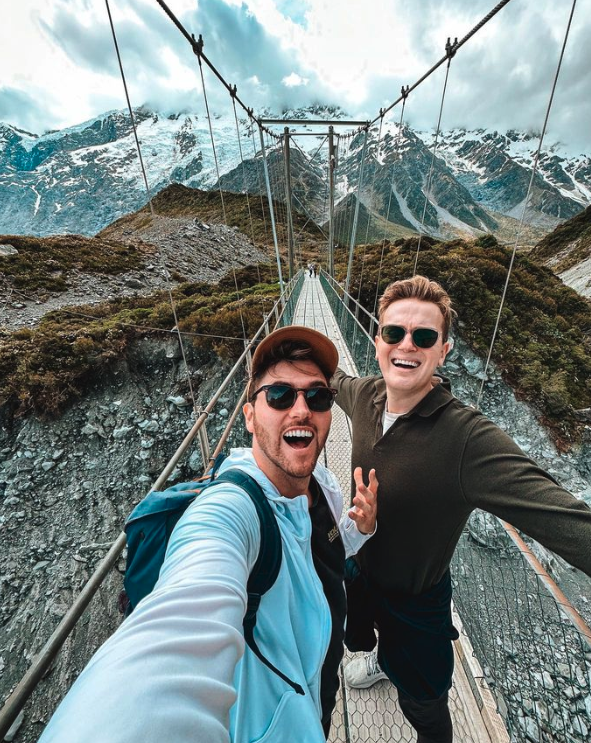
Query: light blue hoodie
178	668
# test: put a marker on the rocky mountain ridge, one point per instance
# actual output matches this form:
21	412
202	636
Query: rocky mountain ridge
84	177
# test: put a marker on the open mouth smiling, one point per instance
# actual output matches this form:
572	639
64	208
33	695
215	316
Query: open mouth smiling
298	438
405	363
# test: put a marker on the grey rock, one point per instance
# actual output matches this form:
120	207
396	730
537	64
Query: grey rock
195	461
6	249
149	426
122	432
581	727
178	400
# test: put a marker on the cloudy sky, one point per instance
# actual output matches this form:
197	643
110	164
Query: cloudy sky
59	68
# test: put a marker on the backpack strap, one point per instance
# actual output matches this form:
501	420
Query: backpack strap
266	568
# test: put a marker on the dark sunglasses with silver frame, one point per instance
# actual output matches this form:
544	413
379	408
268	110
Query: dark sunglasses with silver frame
421	337
283	397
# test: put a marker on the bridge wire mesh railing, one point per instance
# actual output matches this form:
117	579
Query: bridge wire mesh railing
534	650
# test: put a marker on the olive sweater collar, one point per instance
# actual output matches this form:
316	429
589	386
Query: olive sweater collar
437	398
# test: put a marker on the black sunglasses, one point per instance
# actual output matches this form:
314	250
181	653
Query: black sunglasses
283	397
421	337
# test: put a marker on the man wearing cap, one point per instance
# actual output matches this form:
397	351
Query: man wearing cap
178	669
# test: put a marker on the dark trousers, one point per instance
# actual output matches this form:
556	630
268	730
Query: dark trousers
431	719
415	649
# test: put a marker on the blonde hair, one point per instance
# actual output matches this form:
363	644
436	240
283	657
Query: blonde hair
419	287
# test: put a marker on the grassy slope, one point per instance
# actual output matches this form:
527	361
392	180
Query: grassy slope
42	369
544	343
43	263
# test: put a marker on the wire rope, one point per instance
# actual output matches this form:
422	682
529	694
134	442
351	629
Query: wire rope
438	64
173	331
373	182
244	184
258	164
525	203
215	157
160	256
131	115
396	159
450	48
357	209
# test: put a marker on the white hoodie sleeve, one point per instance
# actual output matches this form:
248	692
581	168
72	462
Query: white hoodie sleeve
352	538
167	673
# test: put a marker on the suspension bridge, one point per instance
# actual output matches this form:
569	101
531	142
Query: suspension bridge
523	660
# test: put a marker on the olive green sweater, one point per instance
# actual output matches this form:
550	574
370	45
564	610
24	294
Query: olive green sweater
435	465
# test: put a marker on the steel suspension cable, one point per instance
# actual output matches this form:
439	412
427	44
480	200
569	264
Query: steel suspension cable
525	203
341	227
281	186
438	64
373	182
197	47
215	157
160	256
244	184
131	116
451	51
369	211
357	208
271	208
348	201
261	189
320	146
276	194
395	159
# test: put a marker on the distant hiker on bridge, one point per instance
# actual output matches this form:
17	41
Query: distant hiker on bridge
437	460
177	669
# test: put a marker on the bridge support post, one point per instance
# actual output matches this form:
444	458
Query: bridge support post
288	202
356	217
331	169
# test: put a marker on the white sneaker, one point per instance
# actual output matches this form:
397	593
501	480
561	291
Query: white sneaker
363	672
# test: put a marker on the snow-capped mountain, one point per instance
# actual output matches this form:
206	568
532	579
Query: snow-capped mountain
82	178
496	169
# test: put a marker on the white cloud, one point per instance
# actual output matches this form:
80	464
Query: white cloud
59	68
294	80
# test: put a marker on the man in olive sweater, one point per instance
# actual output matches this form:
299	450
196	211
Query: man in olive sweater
436	460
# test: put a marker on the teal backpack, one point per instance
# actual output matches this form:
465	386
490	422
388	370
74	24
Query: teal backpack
148	529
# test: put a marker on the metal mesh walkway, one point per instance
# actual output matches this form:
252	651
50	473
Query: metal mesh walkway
373	714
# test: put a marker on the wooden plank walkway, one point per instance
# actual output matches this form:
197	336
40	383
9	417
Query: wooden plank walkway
371	715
